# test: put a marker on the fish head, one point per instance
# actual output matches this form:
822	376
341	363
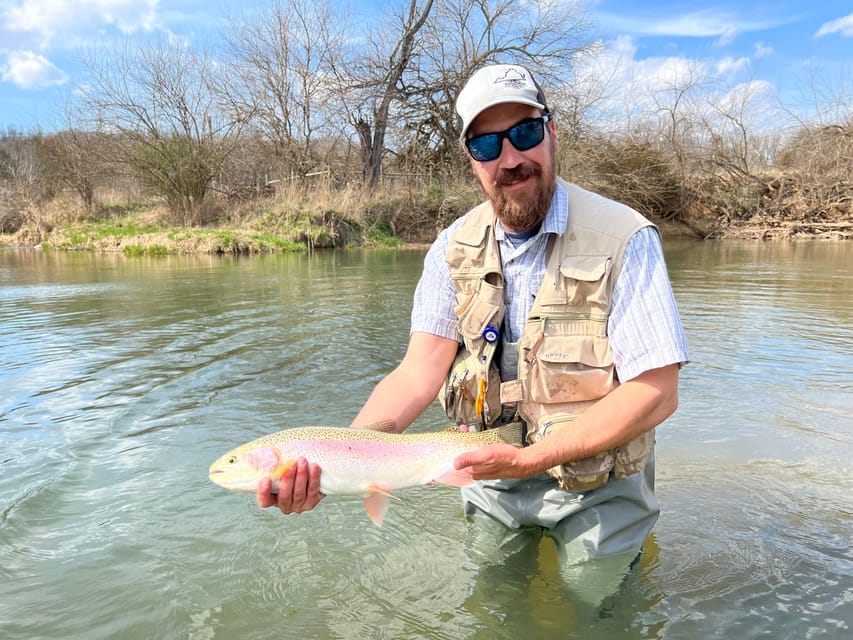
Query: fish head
244	467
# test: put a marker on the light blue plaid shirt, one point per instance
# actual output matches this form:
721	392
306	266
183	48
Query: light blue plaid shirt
644	326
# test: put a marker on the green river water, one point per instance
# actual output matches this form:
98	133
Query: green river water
122	379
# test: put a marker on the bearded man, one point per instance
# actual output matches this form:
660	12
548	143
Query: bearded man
549	305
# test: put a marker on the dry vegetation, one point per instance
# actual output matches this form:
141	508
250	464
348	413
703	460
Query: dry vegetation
297	134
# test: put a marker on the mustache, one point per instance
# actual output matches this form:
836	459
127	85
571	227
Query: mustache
521	172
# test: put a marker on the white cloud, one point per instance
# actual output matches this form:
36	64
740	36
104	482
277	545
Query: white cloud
844	26
623	90
44	24
619	63
128	15
31	29
763	51
698	24
728	66
756	96
30	70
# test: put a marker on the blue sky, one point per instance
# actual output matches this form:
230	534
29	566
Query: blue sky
793	48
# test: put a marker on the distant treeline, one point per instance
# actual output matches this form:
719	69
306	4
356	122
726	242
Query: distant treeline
302	107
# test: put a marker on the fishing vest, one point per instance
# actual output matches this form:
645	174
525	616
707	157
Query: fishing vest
565	363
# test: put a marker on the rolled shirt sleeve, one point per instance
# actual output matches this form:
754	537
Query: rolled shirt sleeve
644	326
435	297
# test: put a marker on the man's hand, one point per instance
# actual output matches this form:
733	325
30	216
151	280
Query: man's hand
298	489
495	461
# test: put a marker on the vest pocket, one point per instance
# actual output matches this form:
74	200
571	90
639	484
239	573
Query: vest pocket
579	475
484	307
467	245
569	369
585	279
631	457
459	393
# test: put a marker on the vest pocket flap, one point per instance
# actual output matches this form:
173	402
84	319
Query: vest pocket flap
472	236
585	268
486	307
578	350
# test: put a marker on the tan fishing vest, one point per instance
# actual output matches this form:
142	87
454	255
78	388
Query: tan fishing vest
564	359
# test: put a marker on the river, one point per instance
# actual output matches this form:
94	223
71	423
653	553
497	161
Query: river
122	379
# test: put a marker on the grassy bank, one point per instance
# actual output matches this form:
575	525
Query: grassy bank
332	218
271	225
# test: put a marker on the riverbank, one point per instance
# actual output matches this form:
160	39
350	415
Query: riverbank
274	226
143	232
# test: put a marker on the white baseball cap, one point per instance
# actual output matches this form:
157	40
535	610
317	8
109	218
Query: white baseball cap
497	84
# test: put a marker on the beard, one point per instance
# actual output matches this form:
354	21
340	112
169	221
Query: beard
530	212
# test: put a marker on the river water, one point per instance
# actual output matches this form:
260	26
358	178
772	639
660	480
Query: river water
122	379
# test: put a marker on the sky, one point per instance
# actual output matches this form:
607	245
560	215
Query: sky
799	51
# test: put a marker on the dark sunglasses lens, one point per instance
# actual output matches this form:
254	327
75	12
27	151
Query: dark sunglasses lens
486	147
523	136
526	135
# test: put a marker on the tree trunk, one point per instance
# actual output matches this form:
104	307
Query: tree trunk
374	146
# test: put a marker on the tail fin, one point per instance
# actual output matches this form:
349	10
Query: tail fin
512	433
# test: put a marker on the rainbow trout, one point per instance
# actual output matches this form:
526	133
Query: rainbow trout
359	462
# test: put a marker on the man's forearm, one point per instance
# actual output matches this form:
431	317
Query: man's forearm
398	399
627	412
410	388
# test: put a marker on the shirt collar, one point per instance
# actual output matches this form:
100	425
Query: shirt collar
558	213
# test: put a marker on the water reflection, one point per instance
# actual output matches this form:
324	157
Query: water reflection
123	378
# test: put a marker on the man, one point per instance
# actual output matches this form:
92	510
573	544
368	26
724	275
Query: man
546	304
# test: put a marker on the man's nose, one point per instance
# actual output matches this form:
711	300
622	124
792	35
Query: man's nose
510	156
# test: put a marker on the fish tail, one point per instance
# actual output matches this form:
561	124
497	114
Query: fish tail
512	433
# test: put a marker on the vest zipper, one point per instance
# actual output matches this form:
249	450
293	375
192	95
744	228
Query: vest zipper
568	315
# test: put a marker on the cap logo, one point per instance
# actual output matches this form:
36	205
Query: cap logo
513	79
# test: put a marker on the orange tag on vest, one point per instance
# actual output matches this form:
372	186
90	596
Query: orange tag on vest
481	397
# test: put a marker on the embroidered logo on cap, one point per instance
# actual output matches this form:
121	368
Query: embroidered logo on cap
513	79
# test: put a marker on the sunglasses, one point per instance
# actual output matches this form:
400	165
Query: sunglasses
523	136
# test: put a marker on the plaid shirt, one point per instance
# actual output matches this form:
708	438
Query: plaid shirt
644	326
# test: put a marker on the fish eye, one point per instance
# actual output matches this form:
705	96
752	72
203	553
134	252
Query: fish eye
232	459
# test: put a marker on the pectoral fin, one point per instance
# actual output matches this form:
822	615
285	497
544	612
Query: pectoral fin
456	478
276	473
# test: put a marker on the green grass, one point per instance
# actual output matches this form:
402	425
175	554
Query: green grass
86	236
380	233
271	242
135	250
119	230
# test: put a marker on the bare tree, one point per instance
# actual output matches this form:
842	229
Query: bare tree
369	80
397	85
24	187
80	158
462	35
161	98
282	58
